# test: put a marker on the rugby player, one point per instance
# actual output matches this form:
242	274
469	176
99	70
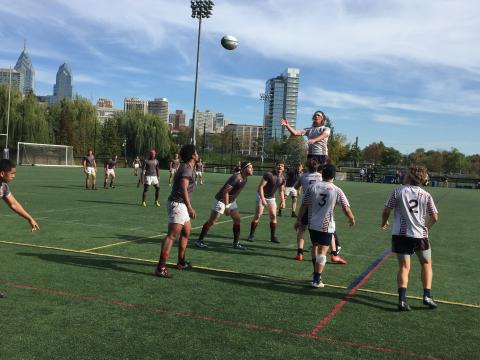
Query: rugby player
225	202
180	210
90	169
110	165
411	205
320	199
150	176
136	165
173	167
270	183
291	177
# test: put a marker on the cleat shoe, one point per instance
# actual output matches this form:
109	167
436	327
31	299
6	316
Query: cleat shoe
185	265
144	204
429	302
162	272
275	240
294	214
338	249
299	257
238	246
157	204
338	260
201	244
251	238
318	284
2	295
403	306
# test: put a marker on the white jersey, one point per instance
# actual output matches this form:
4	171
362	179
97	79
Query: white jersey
307	179
321	198
411	204
320	147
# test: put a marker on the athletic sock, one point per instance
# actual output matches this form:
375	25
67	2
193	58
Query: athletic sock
204	231
337	240
163	259
317	277
334	253
236	233
427	293
253	226
273	228
299	251
402	294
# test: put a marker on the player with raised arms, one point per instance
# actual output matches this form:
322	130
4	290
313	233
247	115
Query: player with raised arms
149	177
180	210
411	205
90	170
270	183
110	166
7	174
225	202
317	136
320	199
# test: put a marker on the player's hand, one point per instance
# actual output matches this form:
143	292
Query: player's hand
191	212
310	141
296	225
385	227
284	122
264	203
282	204
351	221
34	225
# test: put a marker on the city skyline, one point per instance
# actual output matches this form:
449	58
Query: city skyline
392	71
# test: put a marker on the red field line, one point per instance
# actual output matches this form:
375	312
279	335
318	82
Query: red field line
238	324
340	305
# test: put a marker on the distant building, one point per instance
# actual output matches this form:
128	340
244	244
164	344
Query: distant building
24	65
247	138
63	88
16	76
204	121
104	103
159	107
135	104
281	102
218	123
104	113
177	120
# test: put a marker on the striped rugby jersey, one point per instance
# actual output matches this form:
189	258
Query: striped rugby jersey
321	198
411	205
320	147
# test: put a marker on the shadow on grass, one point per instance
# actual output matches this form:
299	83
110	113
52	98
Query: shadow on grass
110	202
90	262
81	187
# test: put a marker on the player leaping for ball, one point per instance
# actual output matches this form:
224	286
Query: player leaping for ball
7	174
180	210
270	183
410	231
317	135
320	200
225	202
150	176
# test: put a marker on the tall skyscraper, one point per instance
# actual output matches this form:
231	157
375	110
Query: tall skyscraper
281	102
25	67
219	122
63	85
159	107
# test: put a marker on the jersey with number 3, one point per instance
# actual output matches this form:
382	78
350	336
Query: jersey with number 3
411	205
321	198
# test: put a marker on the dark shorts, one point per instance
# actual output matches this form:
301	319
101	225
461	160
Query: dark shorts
322	159
320	237
408	245
304	220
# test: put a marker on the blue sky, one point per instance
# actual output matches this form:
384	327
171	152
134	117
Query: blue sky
403	72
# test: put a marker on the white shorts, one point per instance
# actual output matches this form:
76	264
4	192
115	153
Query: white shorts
151	180
198	173
136	166
90	170
291	191
173	171
110	172
270	202
177	213
219	206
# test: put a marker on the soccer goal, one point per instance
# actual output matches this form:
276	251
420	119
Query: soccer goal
44	154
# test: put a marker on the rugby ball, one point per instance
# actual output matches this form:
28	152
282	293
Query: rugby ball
229	42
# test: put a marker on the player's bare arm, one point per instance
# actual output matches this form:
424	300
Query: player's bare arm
385	215
226	199
349	214
261	194
318	138
282	197
284	122
15	206
301	212
432	220
186	198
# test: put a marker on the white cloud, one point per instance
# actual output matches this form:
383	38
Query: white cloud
394	120
84	78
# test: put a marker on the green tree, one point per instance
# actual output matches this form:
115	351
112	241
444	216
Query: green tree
373	152
110	140
455	162
391	156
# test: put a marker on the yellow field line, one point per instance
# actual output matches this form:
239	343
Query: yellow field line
378	292
153	236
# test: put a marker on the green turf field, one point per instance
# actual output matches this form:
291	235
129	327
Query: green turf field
82	287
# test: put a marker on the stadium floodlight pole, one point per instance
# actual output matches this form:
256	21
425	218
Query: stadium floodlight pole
264	97
201	9
6	154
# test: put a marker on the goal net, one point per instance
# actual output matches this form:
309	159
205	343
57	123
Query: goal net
44	154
